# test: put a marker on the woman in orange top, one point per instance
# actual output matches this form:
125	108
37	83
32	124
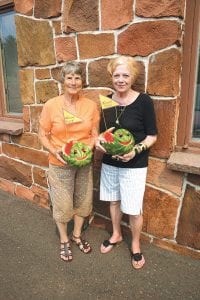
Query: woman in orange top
70	187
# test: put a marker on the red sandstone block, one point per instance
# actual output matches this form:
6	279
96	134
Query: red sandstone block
14	170
23	192
41	197
164	110
45	90
65	48
28	155
57	27
96	68
26	118
24	6
115	14
156	35
160	213
26	78
188	232
40	176
167	8
172	246
40	191
43	202
47	9
42	74
29	140
80	15
164	73
7	186
160	176
91	45
35	112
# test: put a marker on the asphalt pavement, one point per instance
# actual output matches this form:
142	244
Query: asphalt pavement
30	267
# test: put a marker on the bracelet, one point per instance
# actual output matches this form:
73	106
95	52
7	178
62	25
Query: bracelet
138	148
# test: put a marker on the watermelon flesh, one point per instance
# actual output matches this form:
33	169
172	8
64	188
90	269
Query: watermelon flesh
118	143
76	154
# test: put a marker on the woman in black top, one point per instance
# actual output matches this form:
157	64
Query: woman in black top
123	178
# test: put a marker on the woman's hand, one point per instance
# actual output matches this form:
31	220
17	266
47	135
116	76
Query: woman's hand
98	144
125	157
100	140
58	155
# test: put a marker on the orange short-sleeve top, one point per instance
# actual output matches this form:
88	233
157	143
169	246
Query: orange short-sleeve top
53	123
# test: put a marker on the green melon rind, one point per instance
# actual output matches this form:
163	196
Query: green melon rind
115	148
77	163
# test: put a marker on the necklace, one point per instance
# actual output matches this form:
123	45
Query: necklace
122	110
104	120
116	115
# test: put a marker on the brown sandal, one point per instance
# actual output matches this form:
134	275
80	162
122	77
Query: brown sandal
65	251
83	245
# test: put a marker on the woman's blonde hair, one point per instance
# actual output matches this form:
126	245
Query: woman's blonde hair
124	60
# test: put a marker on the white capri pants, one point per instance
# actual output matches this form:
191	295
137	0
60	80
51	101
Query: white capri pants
123	184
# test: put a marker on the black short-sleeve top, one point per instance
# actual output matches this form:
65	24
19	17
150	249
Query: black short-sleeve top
137	117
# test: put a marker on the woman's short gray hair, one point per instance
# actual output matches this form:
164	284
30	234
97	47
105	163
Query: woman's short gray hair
71	67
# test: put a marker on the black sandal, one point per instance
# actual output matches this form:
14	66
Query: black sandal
82	245
135	258
109	245
65	251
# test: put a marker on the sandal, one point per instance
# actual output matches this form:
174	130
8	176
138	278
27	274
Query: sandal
83	245
137	260
65	252
108	245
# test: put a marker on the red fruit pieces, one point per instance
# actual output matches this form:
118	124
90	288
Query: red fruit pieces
108	136
68	147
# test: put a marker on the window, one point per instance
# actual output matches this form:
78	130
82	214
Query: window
188	134
196	121
10	101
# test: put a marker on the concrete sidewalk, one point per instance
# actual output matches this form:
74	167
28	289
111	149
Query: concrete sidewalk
30	267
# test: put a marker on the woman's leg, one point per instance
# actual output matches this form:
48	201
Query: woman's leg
83	245
136	228
62	228
136	223
78	224
65	250
83	194
116	216
61	190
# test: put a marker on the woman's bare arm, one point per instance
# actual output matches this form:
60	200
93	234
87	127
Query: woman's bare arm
44	139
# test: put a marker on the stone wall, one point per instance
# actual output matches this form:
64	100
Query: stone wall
93	31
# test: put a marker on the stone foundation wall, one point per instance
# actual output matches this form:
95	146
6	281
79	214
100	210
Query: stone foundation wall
51	32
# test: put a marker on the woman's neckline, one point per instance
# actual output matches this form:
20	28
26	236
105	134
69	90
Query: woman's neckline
66	104
129	103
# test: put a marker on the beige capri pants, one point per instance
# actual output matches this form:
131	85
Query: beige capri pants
71	191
